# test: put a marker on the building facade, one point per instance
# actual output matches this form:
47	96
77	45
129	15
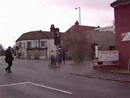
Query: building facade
104	38
122	26
35	45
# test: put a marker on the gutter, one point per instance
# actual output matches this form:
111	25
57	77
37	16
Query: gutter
120	3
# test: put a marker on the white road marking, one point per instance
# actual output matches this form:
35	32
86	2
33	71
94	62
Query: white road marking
14	84
59	90
43	86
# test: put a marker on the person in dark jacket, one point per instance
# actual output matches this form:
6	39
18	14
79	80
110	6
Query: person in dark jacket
8	59
63	55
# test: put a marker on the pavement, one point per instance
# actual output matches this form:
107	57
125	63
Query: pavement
86	69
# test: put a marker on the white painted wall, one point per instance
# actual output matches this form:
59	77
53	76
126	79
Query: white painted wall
50	46
23	50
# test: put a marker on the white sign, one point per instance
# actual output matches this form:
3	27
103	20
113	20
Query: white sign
125	36
108	55
96	51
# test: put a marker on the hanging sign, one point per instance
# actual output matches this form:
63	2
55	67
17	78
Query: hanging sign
125	36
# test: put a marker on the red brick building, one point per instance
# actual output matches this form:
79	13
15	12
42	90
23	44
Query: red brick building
122	25
95	35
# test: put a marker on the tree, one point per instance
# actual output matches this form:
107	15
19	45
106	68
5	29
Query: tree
1	50
14	48
1	47
76	43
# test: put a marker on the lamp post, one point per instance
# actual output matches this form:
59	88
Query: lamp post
79	14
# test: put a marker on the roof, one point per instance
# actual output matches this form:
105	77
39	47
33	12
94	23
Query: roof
119	3
103	38
36	35
80	28
107	28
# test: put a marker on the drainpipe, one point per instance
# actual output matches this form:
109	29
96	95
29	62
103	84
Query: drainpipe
39	49
129	66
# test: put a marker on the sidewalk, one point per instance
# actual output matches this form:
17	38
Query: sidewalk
86	69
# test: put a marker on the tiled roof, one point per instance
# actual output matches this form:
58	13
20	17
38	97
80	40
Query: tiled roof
80	28
119	3
36	35
103	38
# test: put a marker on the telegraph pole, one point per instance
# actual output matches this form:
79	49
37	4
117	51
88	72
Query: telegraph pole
79	14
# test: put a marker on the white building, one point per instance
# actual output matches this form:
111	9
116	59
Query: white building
35	45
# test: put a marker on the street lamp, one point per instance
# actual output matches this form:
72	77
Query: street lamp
79	14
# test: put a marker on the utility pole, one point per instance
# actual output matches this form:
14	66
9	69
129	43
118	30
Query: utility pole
79	14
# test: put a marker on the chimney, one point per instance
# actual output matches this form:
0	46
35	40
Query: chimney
52	28
76	23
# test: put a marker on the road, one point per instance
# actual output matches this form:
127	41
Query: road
34	79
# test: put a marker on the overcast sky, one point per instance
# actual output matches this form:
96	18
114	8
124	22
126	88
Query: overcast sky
20	16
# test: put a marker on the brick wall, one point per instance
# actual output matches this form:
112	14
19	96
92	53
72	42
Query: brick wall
122	25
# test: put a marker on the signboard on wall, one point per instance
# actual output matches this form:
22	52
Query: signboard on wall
125	36
108	55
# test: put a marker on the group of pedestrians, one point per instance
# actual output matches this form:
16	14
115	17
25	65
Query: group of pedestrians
58	58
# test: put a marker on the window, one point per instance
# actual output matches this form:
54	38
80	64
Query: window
24	45
20	45
112	47
35	44
28	44
43	43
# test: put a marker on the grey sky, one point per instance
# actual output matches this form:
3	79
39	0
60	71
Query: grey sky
20	16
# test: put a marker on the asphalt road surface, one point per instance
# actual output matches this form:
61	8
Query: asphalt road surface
34	79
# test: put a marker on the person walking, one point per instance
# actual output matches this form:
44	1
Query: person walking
53	62
63	55
58	58
8	59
